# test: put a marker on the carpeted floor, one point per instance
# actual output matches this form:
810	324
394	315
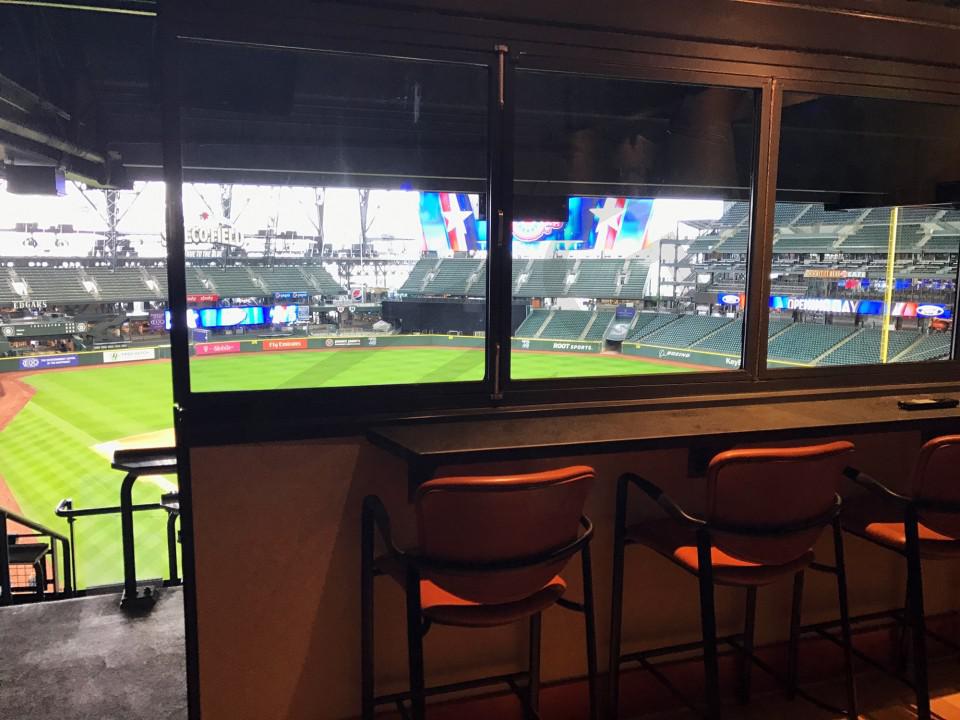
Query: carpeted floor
84	659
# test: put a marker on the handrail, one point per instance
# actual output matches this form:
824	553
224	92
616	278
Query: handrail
65	509
10	515
6	591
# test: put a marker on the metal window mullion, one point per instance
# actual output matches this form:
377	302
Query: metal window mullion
761	231
500	222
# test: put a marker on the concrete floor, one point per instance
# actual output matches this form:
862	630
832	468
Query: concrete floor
84	659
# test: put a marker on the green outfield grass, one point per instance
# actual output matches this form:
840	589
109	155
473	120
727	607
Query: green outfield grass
47	451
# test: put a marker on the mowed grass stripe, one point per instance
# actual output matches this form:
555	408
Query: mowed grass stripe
46	455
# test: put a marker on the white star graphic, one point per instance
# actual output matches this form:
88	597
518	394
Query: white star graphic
608	216
456	220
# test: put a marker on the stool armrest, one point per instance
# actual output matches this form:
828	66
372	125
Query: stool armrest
375	513
667	504
873	485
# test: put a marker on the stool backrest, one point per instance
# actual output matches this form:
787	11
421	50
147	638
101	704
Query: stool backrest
773	489
936	477
500	518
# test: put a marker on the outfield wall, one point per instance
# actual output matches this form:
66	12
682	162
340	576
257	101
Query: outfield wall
287	344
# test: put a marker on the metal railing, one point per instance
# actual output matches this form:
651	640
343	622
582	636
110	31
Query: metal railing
169	503
63	568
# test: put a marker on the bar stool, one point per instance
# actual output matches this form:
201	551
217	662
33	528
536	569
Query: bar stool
923	524
489	552
765	509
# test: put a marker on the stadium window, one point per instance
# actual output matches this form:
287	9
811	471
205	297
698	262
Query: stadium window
864	258
631	226
334	219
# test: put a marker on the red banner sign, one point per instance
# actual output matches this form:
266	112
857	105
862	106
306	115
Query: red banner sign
292	344
202	298
218	348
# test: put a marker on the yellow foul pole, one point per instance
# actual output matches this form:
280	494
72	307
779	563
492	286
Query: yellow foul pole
888	291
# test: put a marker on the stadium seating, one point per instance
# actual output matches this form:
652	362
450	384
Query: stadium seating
784	213
648	323
452	276
284	279
734	215
804	244
776	325
805	342
947	244
532	324
863	348
600	324
55	285
929	347
121	284
235	282
685	331
738	243
567	324
323	281
635	280
596	279
817	215
413	285
547	279
7	293
874	238
726	339
704	244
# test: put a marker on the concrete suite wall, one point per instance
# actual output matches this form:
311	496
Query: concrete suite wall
277	549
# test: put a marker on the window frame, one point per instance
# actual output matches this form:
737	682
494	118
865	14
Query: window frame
306	412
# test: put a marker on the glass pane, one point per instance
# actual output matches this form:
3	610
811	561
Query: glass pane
626	196
865	259
334	218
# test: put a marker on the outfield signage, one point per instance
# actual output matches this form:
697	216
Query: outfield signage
582	346
217	348
119	356
291	296
48	361
859	307
345	342
291	344
202	297
731	298
829	274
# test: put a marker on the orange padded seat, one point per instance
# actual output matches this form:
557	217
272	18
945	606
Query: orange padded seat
679	544
873	519
446	609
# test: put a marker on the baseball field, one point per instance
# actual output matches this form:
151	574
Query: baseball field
58	444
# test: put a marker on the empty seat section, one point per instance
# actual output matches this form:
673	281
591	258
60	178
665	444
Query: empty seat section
532	323
804	342
452	277
635	281
728	339
324	281
419	272
121	284
942	244
785	213
284	279
929	347
234	282
567	324
817	215
596	279
864	348
648	323
55	285
686	330
599	326
547	278
804	244
738	243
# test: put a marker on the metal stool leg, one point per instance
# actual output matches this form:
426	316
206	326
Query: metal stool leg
616	610
917	622
366	619
841	564
533	687
796	612
415	646
590	629
708	623
746	664
41	577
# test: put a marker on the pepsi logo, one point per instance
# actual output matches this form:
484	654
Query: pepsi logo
930	310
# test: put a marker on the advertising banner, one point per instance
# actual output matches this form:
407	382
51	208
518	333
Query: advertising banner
203	297
346	342
48	361
118	356
291	344
217	348
158	320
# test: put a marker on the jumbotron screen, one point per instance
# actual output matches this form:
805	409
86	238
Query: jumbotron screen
223	317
